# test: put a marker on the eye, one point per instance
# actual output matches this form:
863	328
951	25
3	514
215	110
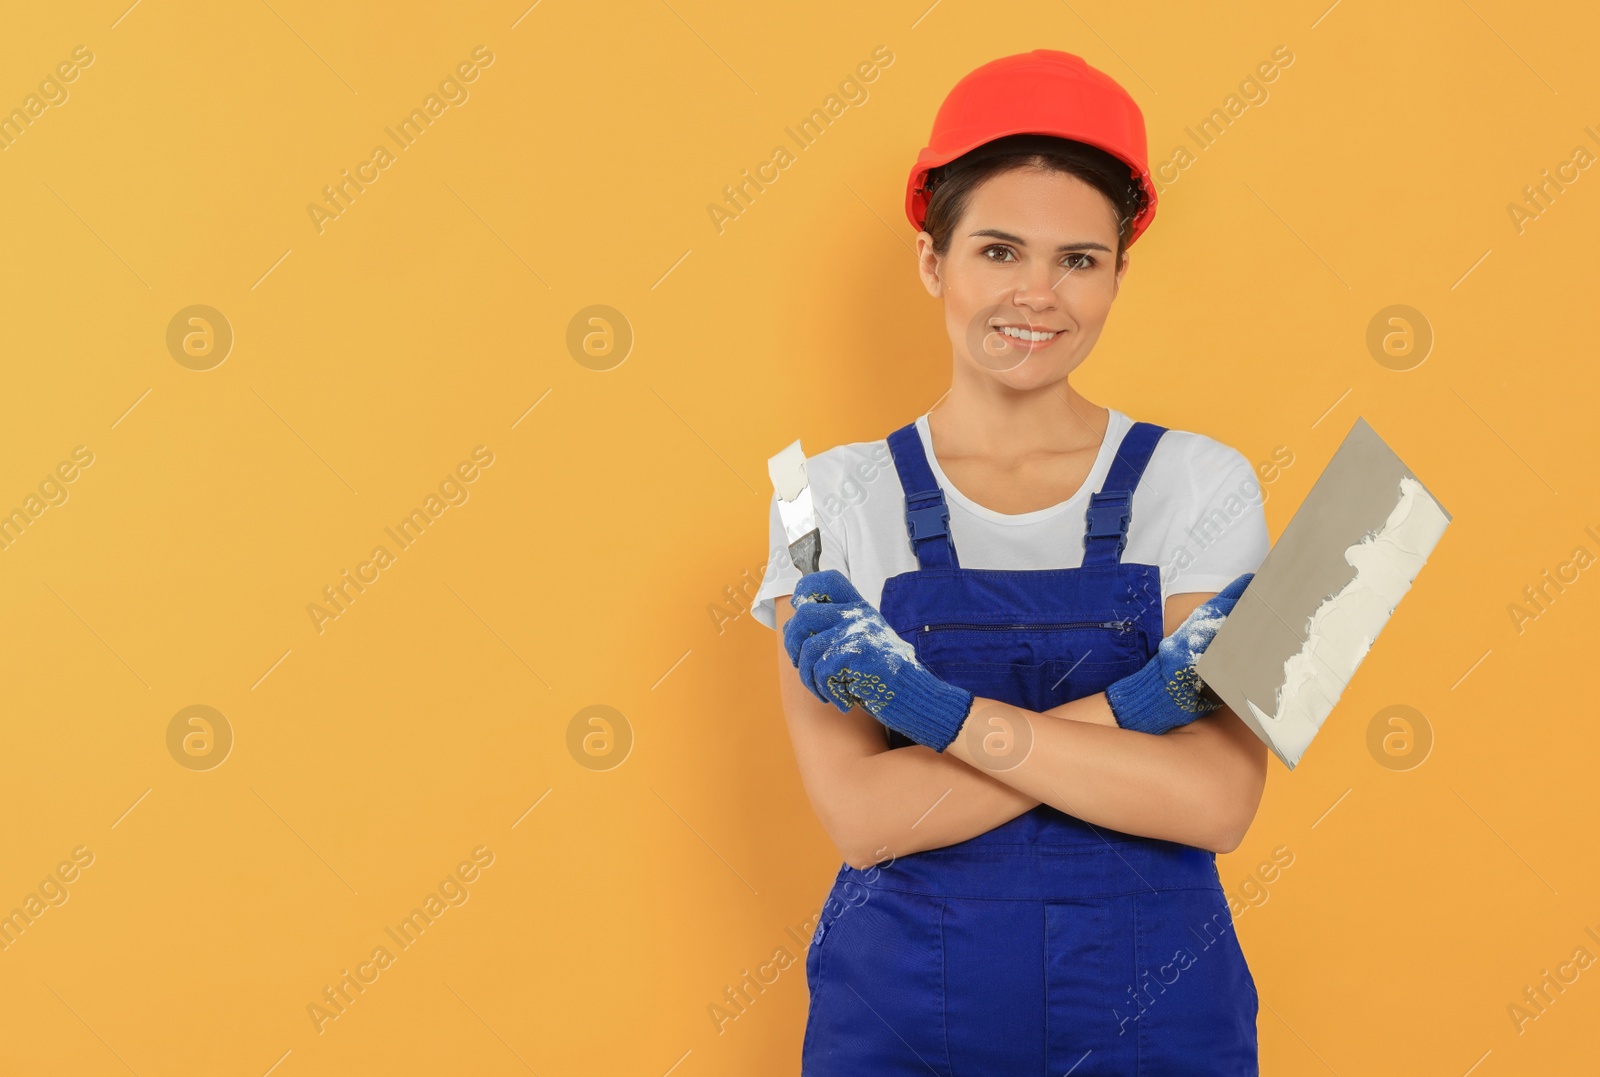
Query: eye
989	250
1087	261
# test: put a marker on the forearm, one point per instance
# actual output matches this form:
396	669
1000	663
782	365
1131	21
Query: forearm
913	798
1199	785
891	803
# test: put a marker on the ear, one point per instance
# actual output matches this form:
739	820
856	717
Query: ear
1116	282
928	265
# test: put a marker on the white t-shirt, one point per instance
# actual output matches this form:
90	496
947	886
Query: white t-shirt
1197	513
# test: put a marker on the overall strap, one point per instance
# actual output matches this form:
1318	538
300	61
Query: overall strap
1111	508
927	516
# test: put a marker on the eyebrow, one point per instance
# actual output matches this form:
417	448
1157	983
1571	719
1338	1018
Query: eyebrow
1019	241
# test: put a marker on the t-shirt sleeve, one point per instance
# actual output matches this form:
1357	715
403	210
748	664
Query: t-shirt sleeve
1226	533
782	574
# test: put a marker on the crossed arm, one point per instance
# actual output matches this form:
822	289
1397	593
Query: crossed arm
1199	784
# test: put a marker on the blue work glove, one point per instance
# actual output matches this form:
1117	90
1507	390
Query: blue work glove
820	602
1165	692
847	655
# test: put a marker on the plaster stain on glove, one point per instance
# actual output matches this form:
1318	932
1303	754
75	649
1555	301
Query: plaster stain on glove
1195	634
863	630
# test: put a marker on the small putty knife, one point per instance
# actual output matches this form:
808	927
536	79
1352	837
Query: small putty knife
788	471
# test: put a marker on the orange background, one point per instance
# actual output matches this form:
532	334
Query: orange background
626	506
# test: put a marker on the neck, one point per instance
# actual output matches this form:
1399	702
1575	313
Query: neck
981	417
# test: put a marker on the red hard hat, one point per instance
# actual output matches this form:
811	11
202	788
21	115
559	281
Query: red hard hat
1043	92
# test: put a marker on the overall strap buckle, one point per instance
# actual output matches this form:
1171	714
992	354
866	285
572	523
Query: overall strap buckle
927	515
1111	508
928	524
1106	532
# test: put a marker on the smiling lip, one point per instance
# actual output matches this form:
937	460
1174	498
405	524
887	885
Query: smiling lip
1027	341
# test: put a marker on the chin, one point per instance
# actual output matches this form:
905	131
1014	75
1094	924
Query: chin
1030	373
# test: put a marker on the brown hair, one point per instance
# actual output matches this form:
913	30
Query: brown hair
951	185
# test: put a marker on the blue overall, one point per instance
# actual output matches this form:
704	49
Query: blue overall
1046	945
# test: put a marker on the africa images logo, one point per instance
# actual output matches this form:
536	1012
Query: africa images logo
339	196
341	594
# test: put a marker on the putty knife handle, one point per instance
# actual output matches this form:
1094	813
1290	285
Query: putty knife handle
806	551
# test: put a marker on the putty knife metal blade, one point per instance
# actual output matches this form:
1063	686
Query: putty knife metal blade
795	509
1324	591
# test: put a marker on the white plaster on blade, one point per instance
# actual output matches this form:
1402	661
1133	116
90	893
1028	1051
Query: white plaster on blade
788	472
1342	629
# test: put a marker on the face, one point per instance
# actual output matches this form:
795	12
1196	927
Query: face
1029	276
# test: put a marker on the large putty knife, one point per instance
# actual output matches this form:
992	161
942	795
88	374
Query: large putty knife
1323	593
795	509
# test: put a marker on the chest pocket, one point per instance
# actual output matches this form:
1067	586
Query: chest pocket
1036	666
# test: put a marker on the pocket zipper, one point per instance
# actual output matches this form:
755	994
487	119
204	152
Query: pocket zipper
1120	626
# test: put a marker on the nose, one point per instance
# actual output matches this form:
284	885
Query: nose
1036	290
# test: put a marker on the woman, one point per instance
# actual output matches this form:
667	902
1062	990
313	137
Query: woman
1026	781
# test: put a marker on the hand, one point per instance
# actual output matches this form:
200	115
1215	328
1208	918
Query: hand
847	655
820	601
1165	692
